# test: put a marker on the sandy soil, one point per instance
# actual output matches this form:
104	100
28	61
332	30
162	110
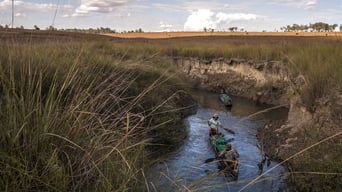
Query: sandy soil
177	37
159	35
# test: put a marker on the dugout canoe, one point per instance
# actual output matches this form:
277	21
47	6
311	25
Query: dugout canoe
218	144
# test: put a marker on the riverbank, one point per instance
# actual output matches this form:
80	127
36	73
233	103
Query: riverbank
262	81
314	114
309	144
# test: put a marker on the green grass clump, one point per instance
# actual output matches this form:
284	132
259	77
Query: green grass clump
317	171
75	118
320	64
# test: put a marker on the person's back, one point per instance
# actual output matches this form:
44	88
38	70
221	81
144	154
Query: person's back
214	124
229	159
229	154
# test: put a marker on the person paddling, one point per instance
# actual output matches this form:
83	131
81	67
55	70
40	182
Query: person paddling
230	155
214	125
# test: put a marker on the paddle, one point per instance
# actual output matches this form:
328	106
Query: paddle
210	160
229	130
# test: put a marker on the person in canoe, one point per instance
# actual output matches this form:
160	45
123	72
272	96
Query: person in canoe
214	125
229	157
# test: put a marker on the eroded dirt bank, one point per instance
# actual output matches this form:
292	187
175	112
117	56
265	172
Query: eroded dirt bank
263	81
312	130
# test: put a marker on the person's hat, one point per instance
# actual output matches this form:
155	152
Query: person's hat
228	146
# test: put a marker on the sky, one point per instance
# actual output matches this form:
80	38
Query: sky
169	15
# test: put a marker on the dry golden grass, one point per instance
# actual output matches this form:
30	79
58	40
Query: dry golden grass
162	35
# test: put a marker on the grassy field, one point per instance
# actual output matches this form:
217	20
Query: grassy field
76	116
315	55
75	107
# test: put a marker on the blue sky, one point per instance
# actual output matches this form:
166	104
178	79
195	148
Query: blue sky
170	15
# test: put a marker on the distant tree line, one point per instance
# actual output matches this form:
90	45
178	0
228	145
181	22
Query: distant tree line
231	29
99	30
7	27
315	27
90	30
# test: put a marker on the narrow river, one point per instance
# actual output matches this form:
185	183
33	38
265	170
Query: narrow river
186	170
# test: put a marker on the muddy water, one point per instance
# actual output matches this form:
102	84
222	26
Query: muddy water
186	170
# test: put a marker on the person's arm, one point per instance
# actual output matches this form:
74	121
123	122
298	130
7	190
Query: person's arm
210	122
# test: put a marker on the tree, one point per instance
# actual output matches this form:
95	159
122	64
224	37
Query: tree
232	29
333	27
318	27
51	28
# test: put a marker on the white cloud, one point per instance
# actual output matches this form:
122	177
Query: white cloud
165	27
205	18
166	7
223	18
66	16
101	6
198	20
20	15
305	4
22	5
5	4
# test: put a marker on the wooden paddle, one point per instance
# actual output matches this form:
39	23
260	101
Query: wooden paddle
229	130
210	160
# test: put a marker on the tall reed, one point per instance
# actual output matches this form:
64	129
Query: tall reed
69	119
320	63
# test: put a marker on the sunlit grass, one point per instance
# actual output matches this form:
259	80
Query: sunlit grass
75	119
321	65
